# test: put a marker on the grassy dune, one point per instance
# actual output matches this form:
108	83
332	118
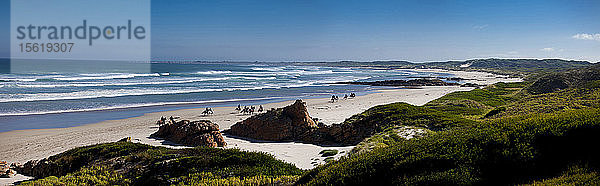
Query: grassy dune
503	134
126	163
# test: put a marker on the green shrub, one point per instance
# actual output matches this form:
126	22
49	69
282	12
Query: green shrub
552	102
495	111
325	153
483	96
207	178
575	175
402	114
95	175
593	84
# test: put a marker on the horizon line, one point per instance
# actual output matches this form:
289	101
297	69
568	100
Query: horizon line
330	61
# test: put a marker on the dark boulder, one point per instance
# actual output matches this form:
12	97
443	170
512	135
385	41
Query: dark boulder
192	133
292	123
284	124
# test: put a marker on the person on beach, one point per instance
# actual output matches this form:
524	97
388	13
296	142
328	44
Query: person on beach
260	108
345	96
172	119
207	111
245	110
239	107
162	121
332	98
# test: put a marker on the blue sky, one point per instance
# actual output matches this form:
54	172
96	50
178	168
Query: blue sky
305	30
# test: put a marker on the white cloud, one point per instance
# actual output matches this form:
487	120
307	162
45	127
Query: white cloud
595	37
480	27
547	49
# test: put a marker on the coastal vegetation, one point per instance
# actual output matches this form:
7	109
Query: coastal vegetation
508	151
127	163
509	133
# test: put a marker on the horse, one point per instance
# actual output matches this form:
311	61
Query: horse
260	108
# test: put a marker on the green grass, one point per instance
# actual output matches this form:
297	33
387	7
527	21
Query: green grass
207	178
452	111
387	138
475	102
575	175
74	159
495	112
575	78
95	175
483	96
402	114
569	99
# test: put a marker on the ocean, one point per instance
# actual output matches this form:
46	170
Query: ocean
40	100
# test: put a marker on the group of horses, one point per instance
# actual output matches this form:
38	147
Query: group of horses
249	110
336	98
245	110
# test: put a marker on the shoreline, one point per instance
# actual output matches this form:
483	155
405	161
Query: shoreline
24	145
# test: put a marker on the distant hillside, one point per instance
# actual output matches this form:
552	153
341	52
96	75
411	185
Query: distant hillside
574	78
515	67
511	66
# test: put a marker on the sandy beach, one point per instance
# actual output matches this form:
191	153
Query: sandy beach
24	145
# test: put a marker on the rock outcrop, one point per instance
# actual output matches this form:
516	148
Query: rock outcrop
40	168
192	133
293	123
5	171
412	82
290	123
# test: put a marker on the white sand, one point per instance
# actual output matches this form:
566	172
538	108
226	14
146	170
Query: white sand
481	78
24	145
